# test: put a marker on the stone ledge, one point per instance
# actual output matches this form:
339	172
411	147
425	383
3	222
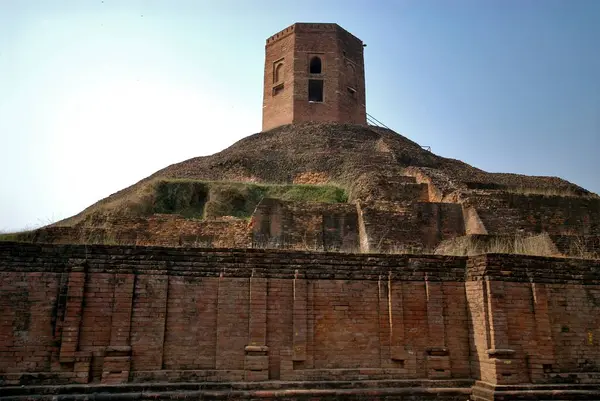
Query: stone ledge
256	348
483	391
242	390
500	353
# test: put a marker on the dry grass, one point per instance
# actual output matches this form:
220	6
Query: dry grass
550	191
579	249
101	238
533	245
537	245
407	250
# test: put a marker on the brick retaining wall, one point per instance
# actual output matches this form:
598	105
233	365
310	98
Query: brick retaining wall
118	314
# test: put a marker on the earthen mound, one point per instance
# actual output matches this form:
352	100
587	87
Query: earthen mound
364	160
333	187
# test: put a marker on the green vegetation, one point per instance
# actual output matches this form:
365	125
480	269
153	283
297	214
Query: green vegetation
16	236
194	199
8	236
184	197
199	199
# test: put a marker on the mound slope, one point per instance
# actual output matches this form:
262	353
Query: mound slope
362	160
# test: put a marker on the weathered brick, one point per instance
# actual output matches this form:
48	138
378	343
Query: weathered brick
235	314
287	58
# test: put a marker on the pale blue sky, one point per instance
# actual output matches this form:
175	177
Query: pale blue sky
96	95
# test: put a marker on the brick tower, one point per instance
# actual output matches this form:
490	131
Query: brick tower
313	72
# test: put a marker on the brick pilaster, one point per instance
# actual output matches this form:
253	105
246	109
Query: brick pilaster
122	308
149	318
438	361
73	313
385	333
256	363
299	320
501	356
400	356
544	359
117	359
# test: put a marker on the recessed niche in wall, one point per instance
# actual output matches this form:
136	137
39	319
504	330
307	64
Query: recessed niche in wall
315	90
277	89
315	65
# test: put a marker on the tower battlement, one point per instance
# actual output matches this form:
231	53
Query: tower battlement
313	72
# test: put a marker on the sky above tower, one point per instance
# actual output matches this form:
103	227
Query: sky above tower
96	95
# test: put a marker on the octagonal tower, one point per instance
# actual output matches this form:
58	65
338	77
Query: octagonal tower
313	72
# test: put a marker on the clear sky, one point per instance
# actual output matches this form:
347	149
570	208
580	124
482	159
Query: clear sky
96	95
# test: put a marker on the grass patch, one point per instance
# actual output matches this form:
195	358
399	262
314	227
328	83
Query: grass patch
308	193
200	199
9	236
16	236
240	199
186	198
195	199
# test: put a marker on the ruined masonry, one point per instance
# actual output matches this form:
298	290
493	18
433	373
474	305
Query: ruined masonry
177	294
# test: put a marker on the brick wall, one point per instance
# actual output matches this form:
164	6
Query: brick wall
284	224
304	225
507	213
278	97
337	49
534	319
158	229
439	183
112	314
419	225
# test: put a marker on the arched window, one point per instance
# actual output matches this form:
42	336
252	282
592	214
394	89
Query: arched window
315	65
278	73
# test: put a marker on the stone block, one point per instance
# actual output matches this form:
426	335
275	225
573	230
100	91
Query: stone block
115	369
256	363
